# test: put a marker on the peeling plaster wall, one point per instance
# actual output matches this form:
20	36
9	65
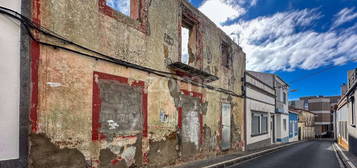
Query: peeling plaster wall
65	108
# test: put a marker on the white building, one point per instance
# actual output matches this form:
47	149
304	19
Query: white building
260	107
14	88
281	110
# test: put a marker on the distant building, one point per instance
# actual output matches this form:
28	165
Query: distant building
320	105
306	123
293	126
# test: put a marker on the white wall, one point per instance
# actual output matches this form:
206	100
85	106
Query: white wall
10	82
252	105
280	132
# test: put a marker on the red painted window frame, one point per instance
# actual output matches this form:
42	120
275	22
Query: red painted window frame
196	95
138	12
96	106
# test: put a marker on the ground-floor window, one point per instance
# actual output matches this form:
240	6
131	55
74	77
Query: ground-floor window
259	123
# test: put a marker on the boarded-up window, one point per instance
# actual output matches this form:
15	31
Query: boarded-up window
121	112
122	6
226	56
119	108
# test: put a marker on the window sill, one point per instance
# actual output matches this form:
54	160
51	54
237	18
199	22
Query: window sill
255	135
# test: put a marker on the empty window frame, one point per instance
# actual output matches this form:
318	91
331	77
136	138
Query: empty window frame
122	6
259	123
130	8
226	54
185	56
284	124
189	27
284	97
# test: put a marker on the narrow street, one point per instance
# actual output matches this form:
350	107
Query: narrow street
312	154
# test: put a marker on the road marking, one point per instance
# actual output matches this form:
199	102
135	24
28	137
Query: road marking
345	157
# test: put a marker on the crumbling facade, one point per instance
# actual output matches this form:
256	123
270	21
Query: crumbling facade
111	89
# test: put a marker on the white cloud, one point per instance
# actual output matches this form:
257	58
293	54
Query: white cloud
273	43
344	16
220	11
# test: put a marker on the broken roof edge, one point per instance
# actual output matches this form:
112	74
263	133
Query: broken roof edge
191	7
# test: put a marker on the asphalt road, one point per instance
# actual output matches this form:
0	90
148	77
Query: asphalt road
312	154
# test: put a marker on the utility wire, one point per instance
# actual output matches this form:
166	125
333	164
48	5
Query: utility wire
316	73
28	24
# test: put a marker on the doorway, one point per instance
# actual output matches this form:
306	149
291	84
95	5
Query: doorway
226	126
272	129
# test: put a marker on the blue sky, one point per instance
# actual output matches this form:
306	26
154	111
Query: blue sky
309	43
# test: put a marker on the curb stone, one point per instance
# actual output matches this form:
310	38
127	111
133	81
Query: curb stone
230	162
346	161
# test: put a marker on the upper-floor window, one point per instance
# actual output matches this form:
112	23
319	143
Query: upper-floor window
188	39
226	55
285	97
122	6
131	12
126	7
191	39
185	34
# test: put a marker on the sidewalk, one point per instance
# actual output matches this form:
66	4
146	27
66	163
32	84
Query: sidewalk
349	159
230	159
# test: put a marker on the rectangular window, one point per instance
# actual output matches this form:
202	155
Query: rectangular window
255	124
185	32
291	127
226	56
264	124
189	37
284	124
353	111
122	6
296	128
284	97
259	123
122	9
119	107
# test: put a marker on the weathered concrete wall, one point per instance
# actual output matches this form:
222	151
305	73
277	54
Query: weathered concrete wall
73	89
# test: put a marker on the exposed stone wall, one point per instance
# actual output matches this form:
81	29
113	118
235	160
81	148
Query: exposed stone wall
68	98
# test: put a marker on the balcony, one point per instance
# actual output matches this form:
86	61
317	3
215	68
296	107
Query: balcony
194	74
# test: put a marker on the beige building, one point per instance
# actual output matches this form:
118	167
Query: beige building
150	83
322	107
306	123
